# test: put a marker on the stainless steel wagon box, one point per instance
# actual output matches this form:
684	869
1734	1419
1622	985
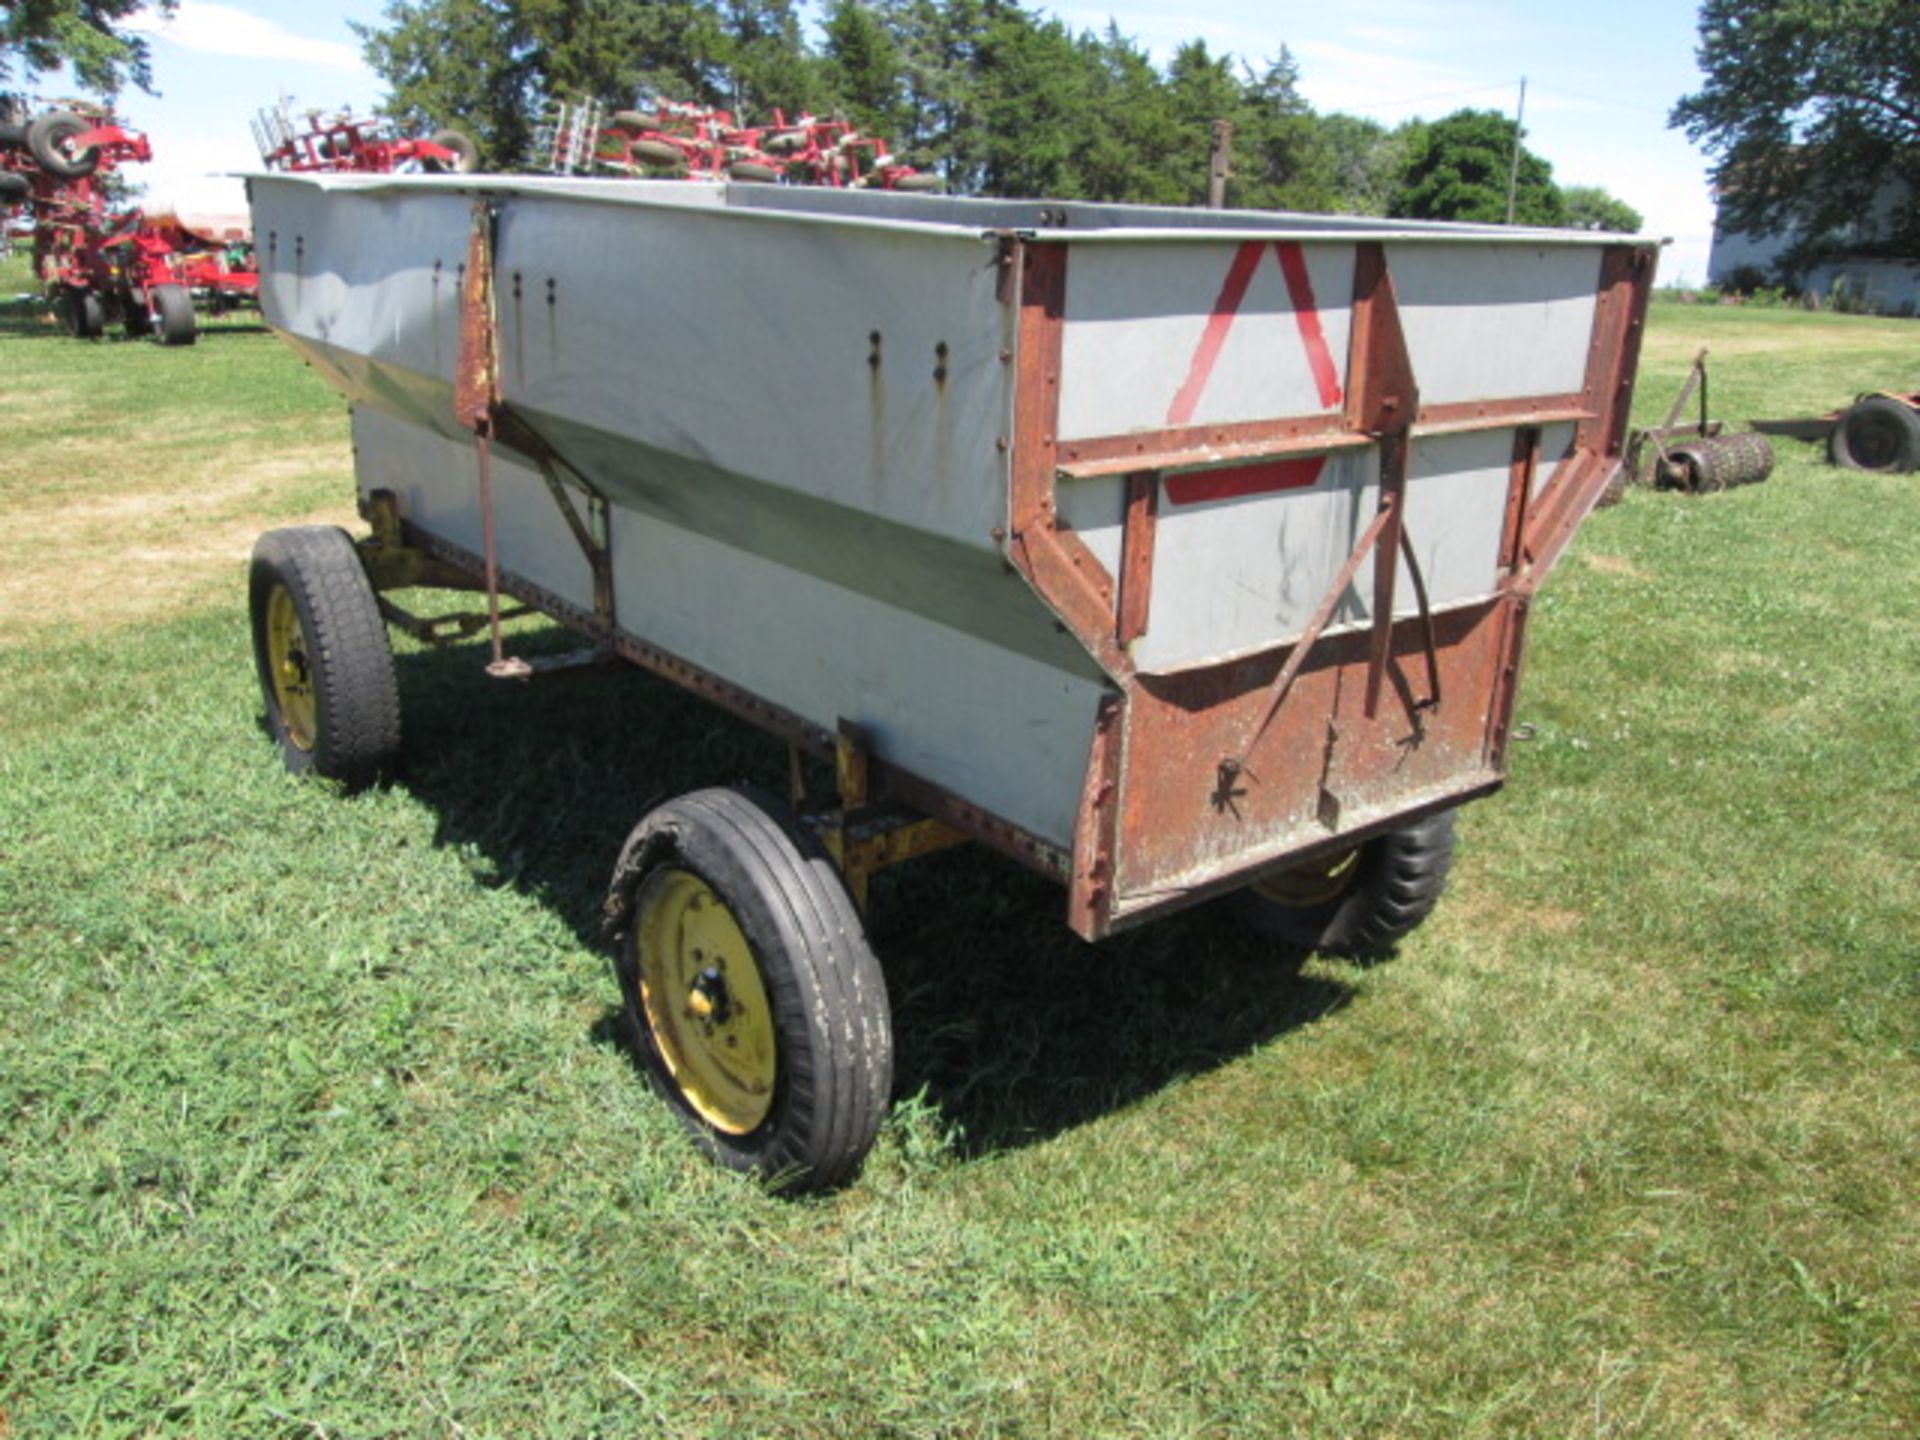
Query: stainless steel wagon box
1170	552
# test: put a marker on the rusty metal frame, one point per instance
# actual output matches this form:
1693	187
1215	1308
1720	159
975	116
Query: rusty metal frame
1382	409
862	835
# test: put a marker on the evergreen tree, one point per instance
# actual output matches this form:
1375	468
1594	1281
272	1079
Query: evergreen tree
865	71
88	36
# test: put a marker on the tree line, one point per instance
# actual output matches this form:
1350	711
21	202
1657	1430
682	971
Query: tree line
996	98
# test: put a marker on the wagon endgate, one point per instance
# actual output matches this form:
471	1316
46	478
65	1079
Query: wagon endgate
1177	805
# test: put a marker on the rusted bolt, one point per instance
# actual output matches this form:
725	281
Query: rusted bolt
1006	357
873	349
940	363
998	533
1001	443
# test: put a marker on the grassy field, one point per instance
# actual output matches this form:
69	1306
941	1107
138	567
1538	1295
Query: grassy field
313	1124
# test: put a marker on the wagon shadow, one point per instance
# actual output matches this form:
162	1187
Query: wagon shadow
1009	1027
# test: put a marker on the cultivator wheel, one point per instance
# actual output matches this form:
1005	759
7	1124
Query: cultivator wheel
658	152
750	988
173	319
466	154
50	138
320	648
1715	463
1360	902
84	314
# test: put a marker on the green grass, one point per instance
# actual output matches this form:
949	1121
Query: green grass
314	1124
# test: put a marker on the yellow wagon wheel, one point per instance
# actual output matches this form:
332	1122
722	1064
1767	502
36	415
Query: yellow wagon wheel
750	989
1358	902
320	648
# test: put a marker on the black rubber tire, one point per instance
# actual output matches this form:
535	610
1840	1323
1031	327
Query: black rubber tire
14	187
1879	434
753	172
466	154
834	1031
174	322
357	735
47	138
634	121
12	136
85	314
785	142
917	183
1393	887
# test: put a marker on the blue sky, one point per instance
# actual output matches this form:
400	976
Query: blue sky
1600	81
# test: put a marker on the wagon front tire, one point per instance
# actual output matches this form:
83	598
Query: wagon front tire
320	649
1361	902
750	990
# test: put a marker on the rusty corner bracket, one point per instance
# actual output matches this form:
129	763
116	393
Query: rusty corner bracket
480	406
1054	560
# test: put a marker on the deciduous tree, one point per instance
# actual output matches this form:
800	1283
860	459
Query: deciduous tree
1812	110
1591	208
1457	169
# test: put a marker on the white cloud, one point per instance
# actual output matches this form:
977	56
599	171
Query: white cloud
223	30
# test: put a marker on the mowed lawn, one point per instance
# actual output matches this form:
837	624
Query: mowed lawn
314	1122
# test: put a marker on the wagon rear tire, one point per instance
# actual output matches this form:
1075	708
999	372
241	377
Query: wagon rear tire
320	649
749	987
1359	903
1878	434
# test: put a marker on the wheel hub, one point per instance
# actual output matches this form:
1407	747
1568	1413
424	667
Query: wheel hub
1318	883
289	667
703	1001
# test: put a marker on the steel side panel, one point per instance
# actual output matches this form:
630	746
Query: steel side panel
1136	316
860	365
1492	322
1000	730
1243	574
436	481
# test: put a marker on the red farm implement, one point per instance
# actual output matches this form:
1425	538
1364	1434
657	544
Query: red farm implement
99	265
668	139
345	143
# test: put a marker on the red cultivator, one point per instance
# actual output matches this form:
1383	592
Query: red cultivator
101	266
671	140
345	142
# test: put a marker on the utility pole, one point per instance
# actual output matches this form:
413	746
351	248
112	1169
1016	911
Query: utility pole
1218	163
1513	166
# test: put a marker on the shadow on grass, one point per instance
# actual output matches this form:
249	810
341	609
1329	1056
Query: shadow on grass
1010	1026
